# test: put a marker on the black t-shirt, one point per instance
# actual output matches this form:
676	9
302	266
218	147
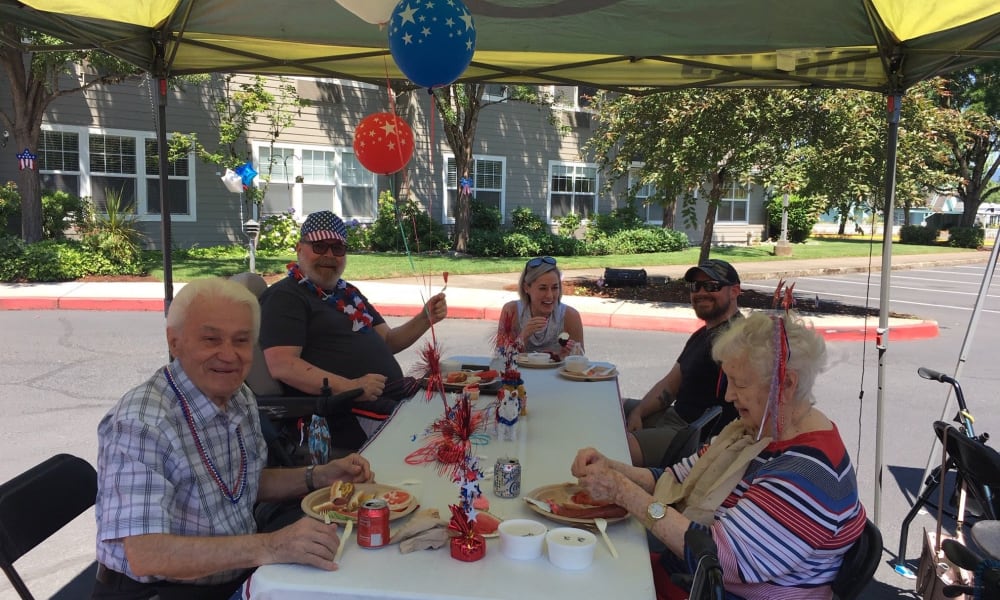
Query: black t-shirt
703	384
292	315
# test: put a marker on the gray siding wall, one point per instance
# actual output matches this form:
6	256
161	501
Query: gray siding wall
522	135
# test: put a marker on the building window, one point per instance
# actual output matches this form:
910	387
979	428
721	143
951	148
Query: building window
59	161
648	210
733	208
178	182
93	163
572	190
310	179
487	183
572	97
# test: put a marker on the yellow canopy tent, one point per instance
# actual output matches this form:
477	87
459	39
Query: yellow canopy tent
637	46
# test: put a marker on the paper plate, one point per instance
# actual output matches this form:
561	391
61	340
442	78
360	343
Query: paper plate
605	371
525	362
322	495
560	493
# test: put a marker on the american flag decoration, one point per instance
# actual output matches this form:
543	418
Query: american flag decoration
27	160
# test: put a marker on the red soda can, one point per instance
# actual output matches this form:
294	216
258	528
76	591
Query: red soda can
373	523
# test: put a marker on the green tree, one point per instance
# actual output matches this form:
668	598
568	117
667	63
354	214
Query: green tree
459	106
237	108
35	79
690	140
971	99
843	164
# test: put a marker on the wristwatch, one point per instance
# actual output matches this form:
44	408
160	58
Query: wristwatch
309	478
656	510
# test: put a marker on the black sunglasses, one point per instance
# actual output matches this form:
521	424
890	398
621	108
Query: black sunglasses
337	248
535	262
708	286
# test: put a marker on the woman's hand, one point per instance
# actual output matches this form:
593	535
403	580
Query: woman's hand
603	483
534	325
585	458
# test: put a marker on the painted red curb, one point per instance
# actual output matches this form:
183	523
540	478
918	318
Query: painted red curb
921	330
123	304
29	303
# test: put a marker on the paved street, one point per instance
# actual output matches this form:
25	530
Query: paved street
61	370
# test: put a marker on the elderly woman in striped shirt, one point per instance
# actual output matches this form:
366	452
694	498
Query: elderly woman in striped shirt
775	489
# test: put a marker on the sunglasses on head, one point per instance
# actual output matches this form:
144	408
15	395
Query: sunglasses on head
535	262
708	286
337	248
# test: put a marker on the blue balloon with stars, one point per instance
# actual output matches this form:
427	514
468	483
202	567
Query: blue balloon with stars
432	41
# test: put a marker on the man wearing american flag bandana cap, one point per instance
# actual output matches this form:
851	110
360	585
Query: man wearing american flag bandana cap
315	325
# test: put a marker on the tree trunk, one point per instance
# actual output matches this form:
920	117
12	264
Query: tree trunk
668	214
842	226
460	242
970	205
31	206
708	229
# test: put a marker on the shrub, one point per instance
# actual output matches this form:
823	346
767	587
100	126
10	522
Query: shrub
569	224
278	232
918	235
53	260
619	219
60	210
358	236
115	233
647	240
526	222
421	233
519	244
966	237
563	246
802	215
10	206
11	257
484	217
486	243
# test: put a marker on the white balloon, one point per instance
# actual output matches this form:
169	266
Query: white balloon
375	12
232	181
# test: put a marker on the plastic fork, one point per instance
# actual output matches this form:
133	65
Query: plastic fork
602	526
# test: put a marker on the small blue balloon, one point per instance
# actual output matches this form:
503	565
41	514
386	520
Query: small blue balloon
246	173
432	41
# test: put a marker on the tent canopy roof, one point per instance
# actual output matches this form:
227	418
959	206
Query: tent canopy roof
877	45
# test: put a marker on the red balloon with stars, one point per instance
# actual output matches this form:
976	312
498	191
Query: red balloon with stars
383	143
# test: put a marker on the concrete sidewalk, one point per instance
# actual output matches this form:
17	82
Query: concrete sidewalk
482	296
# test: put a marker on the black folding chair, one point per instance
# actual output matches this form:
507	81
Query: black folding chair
687	440
36	504
860	564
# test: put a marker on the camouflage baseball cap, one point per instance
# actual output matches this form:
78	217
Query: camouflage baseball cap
717	270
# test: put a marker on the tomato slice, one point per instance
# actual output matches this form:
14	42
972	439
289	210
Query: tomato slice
398	500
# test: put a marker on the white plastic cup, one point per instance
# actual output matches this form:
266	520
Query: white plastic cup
521	539
571	548
577	364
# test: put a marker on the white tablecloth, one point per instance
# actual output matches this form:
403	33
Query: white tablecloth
562	416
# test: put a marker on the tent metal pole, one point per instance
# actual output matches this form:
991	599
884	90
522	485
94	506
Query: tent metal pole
882	338
164	165
933	458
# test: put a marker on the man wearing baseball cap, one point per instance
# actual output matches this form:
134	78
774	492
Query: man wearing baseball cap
315	325
695	383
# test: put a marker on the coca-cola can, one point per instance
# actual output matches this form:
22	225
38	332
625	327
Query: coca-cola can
373	524
507	478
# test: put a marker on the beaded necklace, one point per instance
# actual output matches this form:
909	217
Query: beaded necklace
241	478
345	297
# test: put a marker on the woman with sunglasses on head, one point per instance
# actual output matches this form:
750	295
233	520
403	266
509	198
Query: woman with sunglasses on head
539	317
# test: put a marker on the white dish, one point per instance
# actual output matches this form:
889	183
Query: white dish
527	360
576	363
571	548
521	539
596	372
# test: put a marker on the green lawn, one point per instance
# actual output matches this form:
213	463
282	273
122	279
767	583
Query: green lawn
363	266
